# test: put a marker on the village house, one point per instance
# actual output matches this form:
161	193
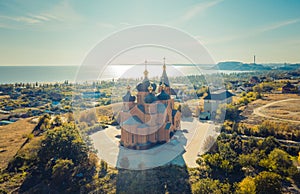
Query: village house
289	88
214	99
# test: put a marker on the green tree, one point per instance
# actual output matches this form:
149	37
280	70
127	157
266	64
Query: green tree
252	159
226	166
226	151
280	162
43	124
202	91
57	121
63	142
258	89
208	185
269	144
246	186
231	112
213	160
243	101
268	182
62	172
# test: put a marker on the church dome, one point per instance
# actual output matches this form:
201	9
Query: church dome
163	96
150	98
143	87
128	97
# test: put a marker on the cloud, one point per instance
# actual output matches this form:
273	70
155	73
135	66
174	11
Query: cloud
195	10
26	19
40	17
61	13
278	25
250	33
198	9
22	19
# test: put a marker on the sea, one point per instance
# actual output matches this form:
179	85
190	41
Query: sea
52	74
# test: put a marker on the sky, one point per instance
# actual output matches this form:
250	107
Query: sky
63	32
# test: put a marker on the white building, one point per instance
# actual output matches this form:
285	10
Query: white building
216	98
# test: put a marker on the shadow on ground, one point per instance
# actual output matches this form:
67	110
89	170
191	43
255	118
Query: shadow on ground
172	177
166	179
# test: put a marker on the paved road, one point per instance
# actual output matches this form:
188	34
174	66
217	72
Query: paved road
203	130
258	112
185	145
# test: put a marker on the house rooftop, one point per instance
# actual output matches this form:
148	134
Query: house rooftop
218	95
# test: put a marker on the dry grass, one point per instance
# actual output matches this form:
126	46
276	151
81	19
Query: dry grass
290	106
276	97
283	110
12	136
109	110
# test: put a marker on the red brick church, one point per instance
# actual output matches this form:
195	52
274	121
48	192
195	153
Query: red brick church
150	117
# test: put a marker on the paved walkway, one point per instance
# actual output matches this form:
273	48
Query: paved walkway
185	145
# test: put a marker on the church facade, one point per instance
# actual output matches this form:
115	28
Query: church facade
149	118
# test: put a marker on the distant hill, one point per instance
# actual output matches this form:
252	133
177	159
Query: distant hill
239	66
289	67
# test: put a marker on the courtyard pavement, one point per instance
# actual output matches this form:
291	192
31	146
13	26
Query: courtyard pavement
182	149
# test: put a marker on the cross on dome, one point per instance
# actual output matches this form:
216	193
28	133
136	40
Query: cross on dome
164	66
146	71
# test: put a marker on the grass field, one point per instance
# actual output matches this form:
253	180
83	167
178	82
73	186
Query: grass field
289	110
12	137
284	110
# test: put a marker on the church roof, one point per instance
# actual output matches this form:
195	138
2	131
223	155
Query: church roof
128	97
163	96
168	125
143	87
134	120
143	126
141	107
174	112
150	98
164	79
174	91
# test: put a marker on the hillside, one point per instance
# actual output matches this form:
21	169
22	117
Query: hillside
239	66
11	139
